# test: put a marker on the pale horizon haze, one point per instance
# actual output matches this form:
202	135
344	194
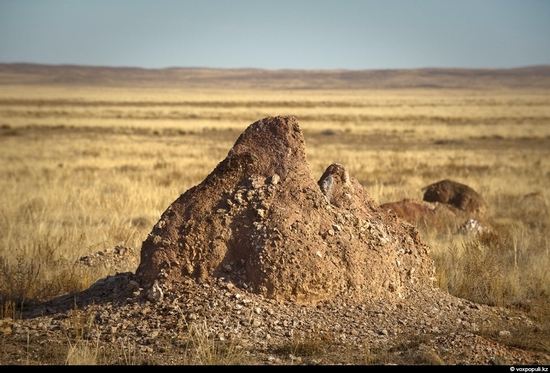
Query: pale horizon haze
298	34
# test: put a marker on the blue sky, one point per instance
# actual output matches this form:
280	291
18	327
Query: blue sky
281	34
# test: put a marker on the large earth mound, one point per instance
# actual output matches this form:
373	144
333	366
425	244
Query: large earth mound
261	221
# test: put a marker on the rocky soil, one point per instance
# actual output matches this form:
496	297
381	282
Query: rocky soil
433	328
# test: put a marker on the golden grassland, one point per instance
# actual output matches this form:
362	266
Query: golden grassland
84	169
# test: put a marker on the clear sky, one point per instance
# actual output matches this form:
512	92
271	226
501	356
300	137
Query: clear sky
277	34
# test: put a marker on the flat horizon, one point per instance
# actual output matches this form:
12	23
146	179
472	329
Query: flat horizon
282	35
271	69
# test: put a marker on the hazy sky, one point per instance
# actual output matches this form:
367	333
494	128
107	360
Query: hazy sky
277	34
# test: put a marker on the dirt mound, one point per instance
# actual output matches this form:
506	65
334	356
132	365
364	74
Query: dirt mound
433	214
438	216
116	259
456	194
447	204
262	222
415	211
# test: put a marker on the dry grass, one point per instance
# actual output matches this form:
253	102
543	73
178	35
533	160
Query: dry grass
85	169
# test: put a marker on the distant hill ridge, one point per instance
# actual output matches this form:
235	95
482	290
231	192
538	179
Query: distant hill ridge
36	74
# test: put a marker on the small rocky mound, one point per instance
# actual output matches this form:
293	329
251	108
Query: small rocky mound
262	222
455	194
117	259
431	214
446	204
417	211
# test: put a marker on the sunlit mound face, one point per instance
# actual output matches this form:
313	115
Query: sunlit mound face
261	221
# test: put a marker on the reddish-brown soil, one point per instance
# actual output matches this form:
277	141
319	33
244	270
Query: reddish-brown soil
263	222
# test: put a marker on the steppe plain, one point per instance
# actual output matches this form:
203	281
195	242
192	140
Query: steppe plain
91	157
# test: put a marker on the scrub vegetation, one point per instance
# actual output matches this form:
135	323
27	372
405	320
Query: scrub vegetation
84	169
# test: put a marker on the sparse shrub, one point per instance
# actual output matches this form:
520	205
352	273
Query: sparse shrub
380	356
82	349
307	345
483	268
203	349
8	310
18	281
24	281
82	352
